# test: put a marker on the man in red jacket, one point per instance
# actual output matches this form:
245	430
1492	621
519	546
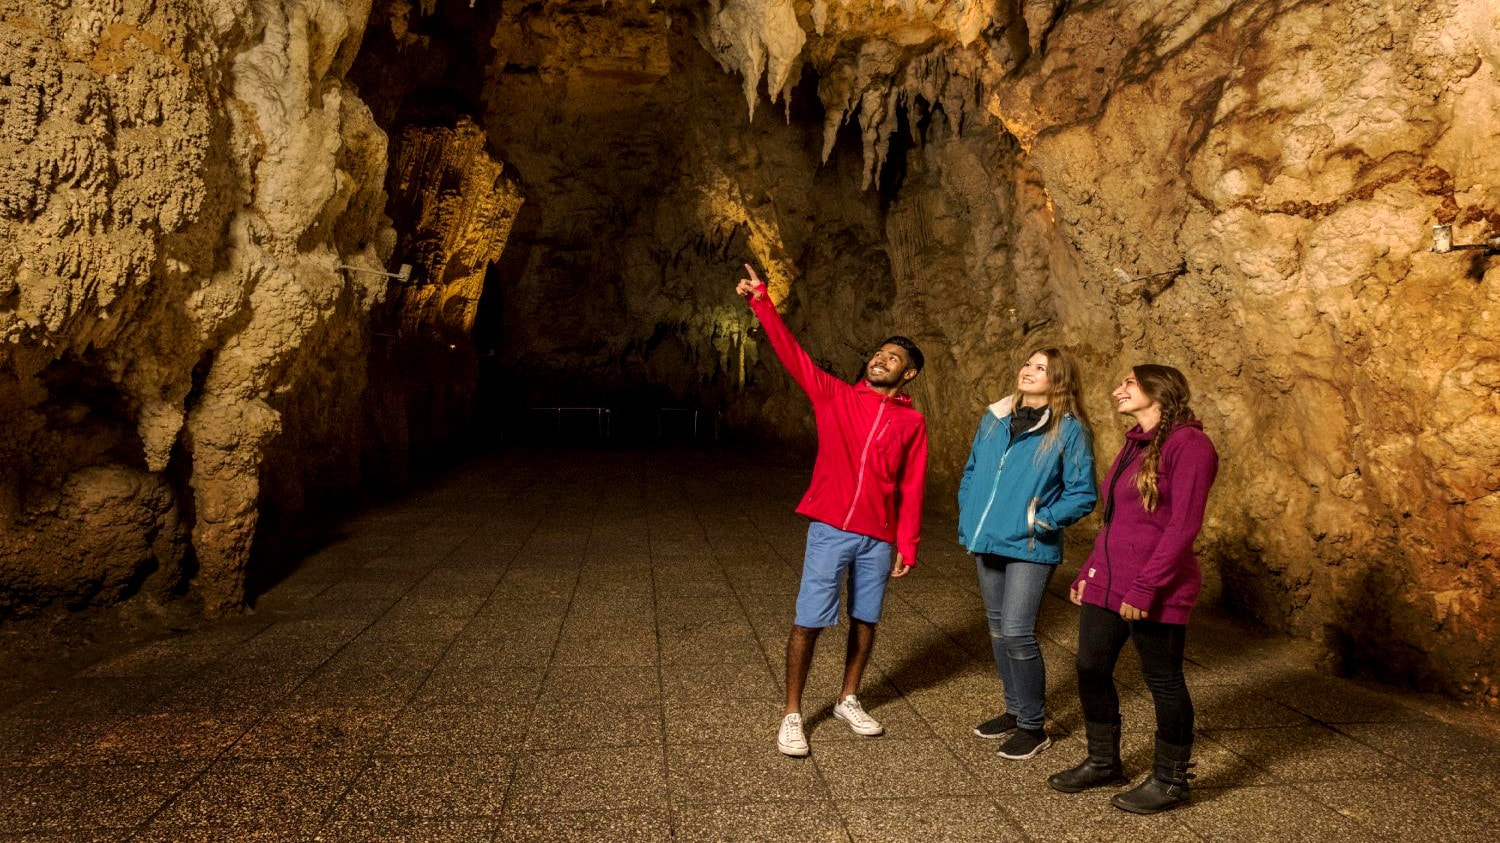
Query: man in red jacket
865	496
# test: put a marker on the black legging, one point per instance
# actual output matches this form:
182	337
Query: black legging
1101	636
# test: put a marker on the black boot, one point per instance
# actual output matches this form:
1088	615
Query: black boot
1100	768
1166	787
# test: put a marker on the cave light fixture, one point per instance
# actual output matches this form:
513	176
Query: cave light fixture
1442	242
403	275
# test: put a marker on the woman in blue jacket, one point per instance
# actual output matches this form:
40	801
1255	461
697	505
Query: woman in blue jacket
1029	475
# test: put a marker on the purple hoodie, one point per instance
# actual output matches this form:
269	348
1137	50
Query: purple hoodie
1146	558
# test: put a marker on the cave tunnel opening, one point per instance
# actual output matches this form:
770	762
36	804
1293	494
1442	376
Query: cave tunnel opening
633	178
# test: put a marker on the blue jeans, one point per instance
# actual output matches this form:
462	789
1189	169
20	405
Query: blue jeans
1013	592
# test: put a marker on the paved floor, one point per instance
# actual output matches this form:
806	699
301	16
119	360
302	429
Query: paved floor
588	646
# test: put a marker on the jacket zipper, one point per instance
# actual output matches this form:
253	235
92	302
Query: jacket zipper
983	516
1109	517
859	482
1031	510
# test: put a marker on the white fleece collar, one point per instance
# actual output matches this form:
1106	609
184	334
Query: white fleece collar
1002	408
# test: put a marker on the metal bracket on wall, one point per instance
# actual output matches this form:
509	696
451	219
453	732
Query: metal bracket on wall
1442	242
403	275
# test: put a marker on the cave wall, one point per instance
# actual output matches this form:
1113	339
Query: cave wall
179	181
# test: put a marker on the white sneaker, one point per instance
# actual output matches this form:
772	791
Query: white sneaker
789	739
850	711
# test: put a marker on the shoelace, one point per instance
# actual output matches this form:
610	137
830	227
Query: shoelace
856	712
790	728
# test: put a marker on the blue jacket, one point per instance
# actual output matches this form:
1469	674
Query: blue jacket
1014	501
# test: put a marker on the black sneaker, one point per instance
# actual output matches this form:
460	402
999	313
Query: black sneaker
1024	744
996	727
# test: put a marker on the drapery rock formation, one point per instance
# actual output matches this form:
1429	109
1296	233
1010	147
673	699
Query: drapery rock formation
454	206
180	181
1242	189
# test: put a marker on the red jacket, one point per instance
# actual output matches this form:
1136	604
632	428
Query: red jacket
872	448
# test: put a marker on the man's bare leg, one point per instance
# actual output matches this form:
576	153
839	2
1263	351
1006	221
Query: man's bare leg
799	655
861	643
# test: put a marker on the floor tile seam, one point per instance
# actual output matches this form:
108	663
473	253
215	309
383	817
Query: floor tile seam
968	768
661	690
31	783
1281	778
753	802
192	782
381	755
1274	727
1374	833
818	772
265	714
507	802
406	816
407	705
17	834
1175	820
322	816
1003	806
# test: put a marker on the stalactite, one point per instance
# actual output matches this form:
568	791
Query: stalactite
755	38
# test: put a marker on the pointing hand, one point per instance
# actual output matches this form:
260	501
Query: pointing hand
751	287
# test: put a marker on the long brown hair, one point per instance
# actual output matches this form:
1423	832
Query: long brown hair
1064	395
1169	389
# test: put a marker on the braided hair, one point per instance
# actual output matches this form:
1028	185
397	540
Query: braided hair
1169	389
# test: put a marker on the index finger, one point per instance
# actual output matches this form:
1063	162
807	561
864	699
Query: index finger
753	277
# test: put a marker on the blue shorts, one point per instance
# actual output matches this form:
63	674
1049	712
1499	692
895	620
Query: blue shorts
831	552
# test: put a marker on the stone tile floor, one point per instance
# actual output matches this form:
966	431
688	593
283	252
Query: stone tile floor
587	645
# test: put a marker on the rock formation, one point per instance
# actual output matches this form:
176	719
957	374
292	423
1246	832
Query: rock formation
1245	190
181	181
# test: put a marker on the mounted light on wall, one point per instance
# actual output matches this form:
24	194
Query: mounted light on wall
402	275
1442	242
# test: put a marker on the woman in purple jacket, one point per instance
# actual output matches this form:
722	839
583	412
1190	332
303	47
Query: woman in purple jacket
1140	583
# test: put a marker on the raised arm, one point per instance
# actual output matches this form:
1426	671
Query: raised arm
814	381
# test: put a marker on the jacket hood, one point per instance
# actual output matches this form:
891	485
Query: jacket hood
1003	407
900	398
1138	435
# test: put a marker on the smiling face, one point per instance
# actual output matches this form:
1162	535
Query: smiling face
890	366
1033	379
1131	399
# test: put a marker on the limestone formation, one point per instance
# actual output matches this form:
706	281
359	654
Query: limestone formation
1245	190
180	181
